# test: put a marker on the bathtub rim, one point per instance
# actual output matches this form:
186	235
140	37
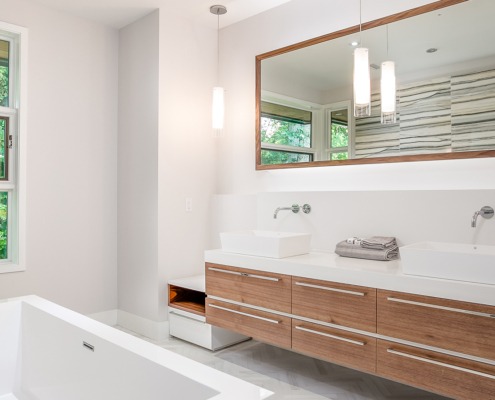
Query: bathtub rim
227	385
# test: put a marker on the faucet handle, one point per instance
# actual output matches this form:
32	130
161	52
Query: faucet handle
486	212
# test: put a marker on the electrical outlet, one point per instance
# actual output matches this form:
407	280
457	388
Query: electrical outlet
188	204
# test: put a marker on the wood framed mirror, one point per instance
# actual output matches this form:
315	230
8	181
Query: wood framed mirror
445	66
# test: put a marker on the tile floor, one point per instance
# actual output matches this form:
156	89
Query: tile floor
292	376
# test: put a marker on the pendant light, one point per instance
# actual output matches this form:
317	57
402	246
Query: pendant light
361	79
388	91
218	105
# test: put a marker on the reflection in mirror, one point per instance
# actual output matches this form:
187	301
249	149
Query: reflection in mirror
445	92
285	134
339	134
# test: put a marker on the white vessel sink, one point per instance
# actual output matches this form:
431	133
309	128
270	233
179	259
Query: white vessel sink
266	243
461	262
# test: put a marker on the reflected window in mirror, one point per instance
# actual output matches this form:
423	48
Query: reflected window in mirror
338	134
286	134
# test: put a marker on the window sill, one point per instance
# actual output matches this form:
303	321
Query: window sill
11	267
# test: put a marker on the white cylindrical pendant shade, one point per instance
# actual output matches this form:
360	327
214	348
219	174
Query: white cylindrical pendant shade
218	108
362	86
388	93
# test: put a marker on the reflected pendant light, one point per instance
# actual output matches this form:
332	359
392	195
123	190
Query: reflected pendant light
218	104
388	91
361	78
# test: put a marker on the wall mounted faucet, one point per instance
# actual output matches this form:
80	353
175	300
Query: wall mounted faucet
485	212
294	208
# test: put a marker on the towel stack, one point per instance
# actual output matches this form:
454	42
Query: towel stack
381	248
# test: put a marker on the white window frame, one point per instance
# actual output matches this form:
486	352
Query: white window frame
328	109
17	114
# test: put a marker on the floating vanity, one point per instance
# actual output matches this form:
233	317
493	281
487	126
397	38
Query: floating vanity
435	334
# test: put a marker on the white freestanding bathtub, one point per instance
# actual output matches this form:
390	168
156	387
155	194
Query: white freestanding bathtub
48	352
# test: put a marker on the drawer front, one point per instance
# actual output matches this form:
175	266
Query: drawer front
336	303
257	288
341	347
447	375
190	329
453	325
263	326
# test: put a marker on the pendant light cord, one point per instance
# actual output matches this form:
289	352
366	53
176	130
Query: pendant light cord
218	47
360	25
387	41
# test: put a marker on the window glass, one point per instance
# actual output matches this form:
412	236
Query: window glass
4	196
282	125
4	73
339	156
284	157
339	135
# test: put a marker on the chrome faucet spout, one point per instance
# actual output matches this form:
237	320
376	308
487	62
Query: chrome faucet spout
475	218
280	209
486	212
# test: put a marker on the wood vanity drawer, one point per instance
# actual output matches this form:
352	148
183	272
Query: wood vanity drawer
448	324
444	374
263	326
258	288
336	303
335	345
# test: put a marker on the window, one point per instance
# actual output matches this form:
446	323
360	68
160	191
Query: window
13	52
286	134
338	134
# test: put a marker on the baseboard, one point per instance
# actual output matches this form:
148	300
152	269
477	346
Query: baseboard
151	329
109	317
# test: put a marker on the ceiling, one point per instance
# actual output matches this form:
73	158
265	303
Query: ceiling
119	13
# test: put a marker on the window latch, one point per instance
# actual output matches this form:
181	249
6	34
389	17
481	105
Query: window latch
11	142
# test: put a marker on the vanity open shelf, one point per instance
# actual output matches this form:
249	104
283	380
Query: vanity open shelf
186	299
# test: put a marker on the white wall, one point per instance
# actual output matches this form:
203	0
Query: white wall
71	160
166	154
290	23
186	149
138	167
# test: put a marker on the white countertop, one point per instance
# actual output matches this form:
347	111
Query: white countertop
196	282
378	274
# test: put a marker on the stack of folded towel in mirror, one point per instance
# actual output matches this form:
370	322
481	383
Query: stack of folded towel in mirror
381	248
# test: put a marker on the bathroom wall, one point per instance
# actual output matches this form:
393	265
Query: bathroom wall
409	215
186	149
293	22
138	167
71	160
166	155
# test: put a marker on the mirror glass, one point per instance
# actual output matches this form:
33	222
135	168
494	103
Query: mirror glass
445	71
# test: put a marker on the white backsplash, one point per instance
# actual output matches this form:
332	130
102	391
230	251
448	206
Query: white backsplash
411	216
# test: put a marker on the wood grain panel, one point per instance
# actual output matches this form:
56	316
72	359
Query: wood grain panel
334	345
186	299
451	327
248	286
347	305
263	326
450	376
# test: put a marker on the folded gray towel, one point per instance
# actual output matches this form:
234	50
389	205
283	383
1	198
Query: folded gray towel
378	242
346	249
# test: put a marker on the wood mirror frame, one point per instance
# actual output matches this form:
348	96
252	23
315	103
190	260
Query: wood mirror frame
344	32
